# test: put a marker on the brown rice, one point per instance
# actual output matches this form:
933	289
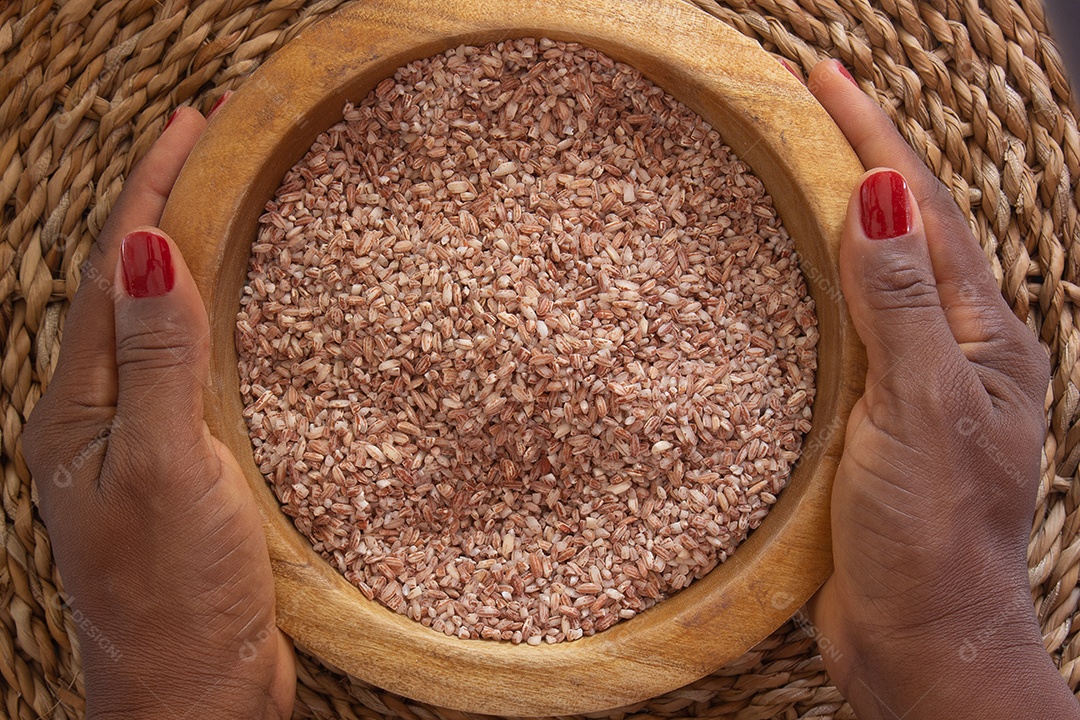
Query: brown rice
524	348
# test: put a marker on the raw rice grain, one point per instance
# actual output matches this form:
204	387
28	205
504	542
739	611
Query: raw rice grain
524	348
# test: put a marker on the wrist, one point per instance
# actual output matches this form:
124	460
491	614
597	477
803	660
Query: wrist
207	703
147	683
989	671
227	701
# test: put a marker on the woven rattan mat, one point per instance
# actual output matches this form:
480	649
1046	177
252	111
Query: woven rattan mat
86	85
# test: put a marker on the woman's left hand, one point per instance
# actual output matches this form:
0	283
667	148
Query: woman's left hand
155	533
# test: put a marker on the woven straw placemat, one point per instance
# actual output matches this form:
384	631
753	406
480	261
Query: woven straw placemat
976	86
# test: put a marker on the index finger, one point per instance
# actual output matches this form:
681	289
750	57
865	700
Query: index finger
86	370
969	293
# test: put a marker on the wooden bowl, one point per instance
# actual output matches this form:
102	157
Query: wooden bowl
768	119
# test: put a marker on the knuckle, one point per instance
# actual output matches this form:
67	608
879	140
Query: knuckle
33	428
955	381
949	389
46	439
166	344
1036	360
929	392
35	441
63	452
977	304
141	472
895	284
1025	361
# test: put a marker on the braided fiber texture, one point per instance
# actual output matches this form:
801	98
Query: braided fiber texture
976	86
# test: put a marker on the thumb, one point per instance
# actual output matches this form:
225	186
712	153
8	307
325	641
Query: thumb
889	282
162	342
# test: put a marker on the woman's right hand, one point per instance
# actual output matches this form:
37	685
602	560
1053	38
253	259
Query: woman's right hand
928	611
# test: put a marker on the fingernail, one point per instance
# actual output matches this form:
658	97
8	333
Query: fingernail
885	205
791	69
171	118
220	101
147	264
844	71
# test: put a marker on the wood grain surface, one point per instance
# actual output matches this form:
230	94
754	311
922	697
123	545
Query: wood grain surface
766	116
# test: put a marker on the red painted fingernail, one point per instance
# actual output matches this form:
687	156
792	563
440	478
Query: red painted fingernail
220	101
844	71
147	264
885	205
791	69
171	118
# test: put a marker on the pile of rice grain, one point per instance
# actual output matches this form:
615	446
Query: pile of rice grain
524	348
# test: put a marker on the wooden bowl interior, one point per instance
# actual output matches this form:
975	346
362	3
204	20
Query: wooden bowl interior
767	118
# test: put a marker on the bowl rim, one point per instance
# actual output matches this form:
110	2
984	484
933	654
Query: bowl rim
769	120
